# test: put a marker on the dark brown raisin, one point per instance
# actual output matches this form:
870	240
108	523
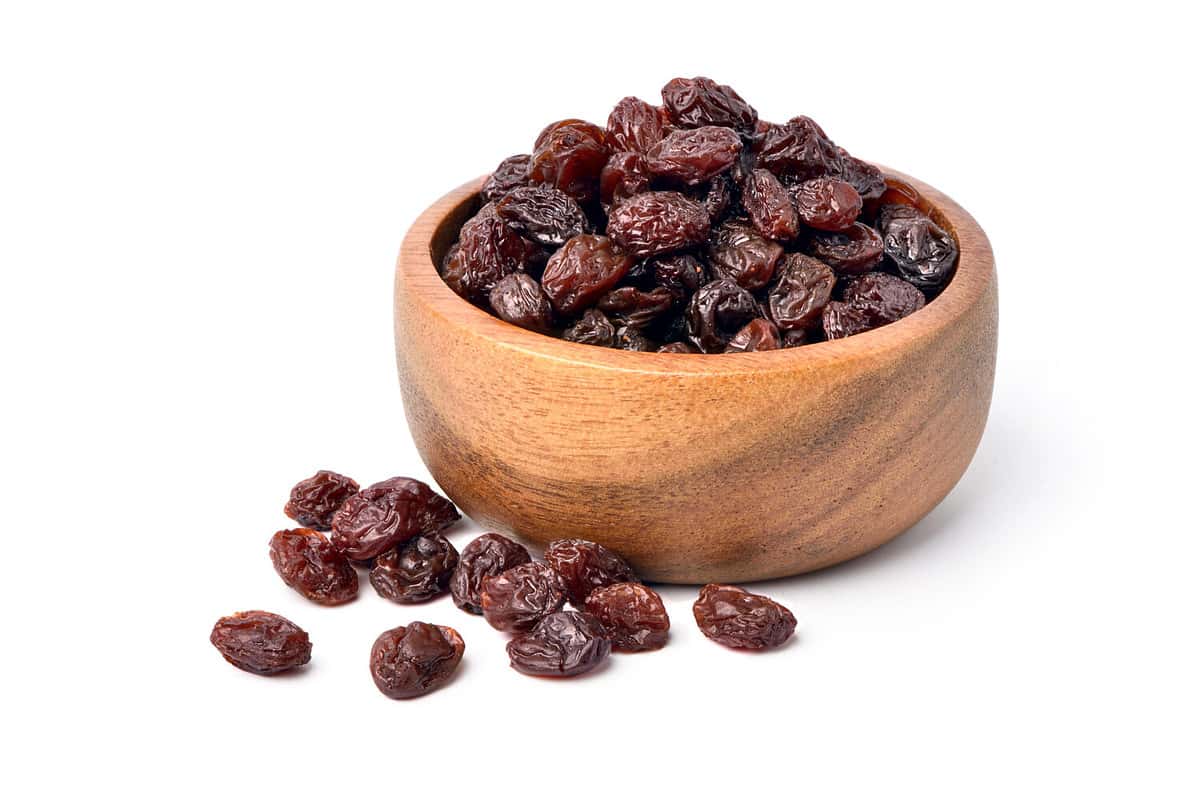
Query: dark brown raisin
866	179
634	307
623	176
759	334
717	196
582	271
518	299
511	173
803	288
842	320
630	338
696	102
794	337
694	156
658	222
717	311
883	296
738	252
593	328
634	126
261	642
828	204
314	500
488	249
543	214
769	206
677	347
562	644
416	659
633	616
584	566
799	150
309	564
416	571
855	250
922	251
520	596
488	555
679	274
388	513
570	155
739	619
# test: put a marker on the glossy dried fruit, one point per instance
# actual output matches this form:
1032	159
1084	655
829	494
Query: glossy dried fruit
739	619
636	308
799	150
416	571
828	204
634	126
769	206
866	179
718	310
593	328
314	500
922	251
261	642
562	644
581	272
518	299
409	661
570	154
487	555
518	598
840	320
759	334
630	338
855	250
633	616
542	214
511	173
694	156
884	297
658	222
803	288
696	102
680	274
388	513
488	249
309	564
717	196
738	252
585	566
625	175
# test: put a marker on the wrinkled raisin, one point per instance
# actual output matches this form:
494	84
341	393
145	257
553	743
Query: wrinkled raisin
584	566
488	249
798	149
511	173
630	338
828	204
855	250
739	619
261	642
738	252
695	155
570	155
416	659
416	571
884	297
679	274
866	179
634	307
561	644
581	272
717	196
314	500
769	206
518	299
634	126
658	222
804	287
696	102
841	320
718	310
759	334
520	596
309	564
487	555
922	251
593	328
625	175
543	214
633	616
388	513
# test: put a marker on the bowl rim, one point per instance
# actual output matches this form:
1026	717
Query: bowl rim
417	277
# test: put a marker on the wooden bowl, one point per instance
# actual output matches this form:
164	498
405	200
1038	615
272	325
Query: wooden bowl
697	468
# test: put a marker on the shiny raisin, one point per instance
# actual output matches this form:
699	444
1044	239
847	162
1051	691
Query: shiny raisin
314	500
759	334
309	564
625	175
769	206
922	251
828	204
517	298
409	661
739	619
520	596
738	252
717	196
488	555
581	271
855	250
803	288
416	571
841	320
696	102
584	566
511	173
633	616
542	214
593	328
388	513
630	338
488	249
634	126
884	297
261	642
562	644
635	308
679	274
693	156
570	155
866	179
798	149
658	222
718	310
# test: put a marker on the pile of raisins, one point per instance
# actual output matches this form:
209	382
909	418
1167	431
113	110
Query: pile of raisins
693	227
394	530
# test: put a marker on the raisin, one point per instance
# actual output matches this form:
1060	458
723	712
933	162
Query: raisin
828	204
680	275
416	571
634	307
717	196
739	619
630	338
658	222
866	179
634	126
584	566
593	328
884	297
633	616
625	175
511	173
855	250
697	102
261	642
759	334
798	297
309	564
717	311
542	214
922	251
583	270
416	659
677	347
314	500
488	249
570	155
520	596
694	156
518	299
794	337
842	320
388	513
488	555
799	150
738	252
561	644
769	206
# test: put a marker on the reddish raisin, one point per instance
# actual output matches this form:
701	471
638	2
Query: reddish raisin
769	206
593	328
584	566
738	252
884	297
388	513
309	564
582	271
658	222
680	275
488	249
799	150
261	642
696	102
717	196
804	287
570	155
759	334
561	644
633	616
924	253
717	311
634	126
488	555
856	250
511	173
416	659
623	176
842	320
739	619
866	179
828	204
314	500
416	571
518	299
634	307
543	214
520	596
694	156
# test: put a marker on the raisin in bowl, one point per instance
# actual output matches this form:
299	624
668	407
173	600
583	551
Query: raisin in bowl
727	467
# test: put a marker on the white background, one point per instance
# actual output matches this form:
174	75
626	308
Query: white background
200	205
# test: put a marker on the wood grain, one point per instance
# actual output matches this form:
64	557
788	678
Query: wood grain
697	468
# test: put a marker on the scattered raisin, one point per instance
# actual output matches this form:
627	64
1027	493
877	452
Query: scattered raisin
261	642
739	619
388	513
314	500
738	252
564	643
593	328
828	203
520	596
855	250
717	311
769	206
924	254
584	566
804	287
581	272
309	564
416	571
695	155
697	102
487	555
633	616
518	299
658	222
416	659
